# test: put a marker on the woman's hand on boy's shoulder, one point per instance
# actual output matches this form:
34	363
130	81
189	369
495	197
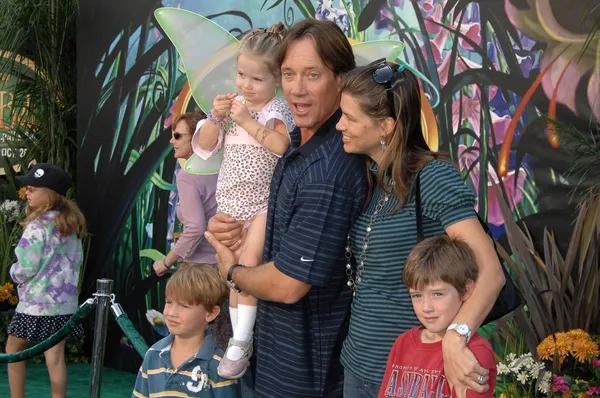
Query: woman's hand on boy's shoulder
461	368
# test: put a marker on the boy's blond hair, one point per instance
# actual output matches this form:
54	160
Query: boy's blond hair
440	258
196	284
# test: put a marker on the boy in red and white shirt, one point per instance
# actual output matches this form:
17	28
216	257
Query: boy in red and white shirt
440	273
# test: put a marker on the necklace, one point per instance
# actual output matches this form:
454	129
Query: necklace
353	282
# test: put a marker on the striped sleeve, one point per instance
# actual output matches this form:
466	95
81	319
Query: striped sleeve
444	196
311	247
141	382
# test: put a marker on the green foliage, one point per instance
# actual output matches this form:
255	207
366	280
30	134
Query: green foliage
560	292
584	147
44	102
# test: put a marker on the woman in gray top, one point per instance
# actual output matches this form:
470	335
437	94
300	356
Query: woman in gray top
196	205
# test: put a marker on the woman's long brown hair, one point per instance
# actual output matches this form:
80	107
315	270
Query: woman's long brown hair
70	219
406	151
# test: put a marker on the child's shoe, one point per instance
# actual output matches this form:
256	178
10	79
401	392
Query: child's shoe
234	369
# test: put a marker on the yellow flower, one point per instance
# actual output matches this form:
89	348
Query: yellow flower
578	334
576	343
584	350
22	193
13	300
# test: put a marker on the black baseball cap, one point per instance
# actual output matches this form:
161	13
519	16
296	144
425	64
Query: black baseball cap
45	175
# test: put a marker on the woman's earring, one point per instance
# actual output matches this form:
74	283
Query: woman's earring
383	145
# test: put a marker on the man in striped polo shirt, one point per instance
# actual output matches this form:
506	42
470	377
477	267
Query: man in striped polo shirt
317	191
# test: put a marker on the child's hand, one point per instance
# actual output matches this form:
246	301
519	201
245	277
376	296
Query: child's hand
222	104
239	113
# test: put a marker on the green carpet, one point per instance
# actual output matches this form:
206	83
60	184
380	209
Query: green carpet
115	384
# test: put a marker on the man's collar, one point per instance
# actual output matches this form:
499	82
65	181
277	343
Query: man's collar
321	133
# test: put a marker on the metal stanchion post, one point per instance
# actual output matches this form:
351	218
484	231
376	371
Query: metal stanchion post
103	296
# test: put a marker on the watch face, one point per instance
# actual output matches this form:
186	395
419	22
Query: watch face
462	329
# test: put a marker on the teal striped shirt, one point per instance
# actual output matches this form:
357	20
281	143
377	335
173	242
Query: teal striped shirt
382	309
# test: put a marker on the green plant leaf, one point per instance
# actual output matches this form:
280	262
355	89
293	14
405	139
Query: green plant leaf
152	254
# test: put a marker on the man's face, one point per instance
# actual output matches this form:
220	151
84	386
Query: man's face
310	87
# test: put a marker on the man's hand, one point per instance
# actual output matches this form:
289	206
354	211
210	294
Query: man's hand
160	268
226	230
461	367
225	257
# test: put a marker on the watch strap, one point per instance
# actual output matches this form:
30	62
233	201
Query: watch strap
230	281
454	327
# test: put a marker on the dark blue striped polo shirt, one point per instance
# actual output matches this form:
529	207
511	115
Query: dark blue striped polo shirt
317	191
382	309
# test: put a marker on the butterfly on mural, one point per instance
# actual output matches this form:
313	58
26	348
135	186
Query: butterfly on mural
209	55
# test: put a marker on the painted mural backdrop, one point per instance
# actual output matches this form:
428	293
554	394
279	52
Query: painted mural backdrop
501	67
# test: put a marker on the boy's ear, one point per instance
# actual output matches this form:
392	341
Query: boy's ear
469	286
211	315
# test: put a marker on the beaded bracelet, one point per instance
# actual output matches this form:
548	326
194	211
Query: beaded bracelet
214	120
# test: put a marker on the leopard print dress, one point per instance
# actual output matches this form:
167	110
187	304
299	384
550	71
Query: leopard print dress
247	168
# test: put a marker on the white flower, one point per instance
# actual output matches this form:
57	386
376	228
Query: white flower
522	377
502	368
11	209
155	318
536	368
515	366
547	377
510	357
534	373
544	387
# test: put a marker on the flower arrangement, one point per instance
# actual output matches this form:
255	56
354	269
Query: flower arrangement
522	377
8	294
11	213
576	357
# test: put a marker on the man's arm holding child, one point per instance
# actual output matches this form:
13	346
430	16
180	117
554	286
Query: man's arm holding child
264	282
322	218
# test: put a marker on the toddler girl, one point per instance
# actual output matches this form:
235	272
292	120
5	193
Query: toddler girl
253	125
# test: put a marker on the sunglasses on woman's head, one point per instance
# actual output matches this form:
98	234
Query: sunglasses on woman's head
384	74
177	135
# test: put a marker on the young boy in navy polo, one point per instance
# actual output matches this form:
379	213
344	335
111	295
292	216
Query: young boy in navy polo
184	364
440	273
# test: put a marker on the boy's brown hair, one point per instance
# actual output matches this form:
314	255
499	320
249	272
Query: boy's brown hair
440	258
196	284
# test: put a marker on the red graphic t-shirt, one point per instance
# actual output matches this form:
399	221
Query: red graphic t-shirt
416	369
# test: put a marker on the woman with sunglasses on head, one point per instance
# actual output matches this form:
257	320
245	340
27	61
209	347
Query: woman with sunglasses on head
381	117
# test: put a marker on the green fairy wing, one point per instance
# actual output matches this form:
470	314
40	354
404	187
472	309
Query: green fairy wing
208	53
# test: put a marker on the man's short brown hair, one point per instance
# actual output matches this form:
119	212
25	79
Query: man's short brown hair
440	258
331	44
196	284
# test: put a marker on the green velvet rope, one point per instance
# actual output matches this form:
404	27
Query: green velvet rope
51	341
132	334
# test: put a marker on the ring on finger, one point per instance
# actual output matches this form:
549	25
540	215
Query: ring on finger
481	379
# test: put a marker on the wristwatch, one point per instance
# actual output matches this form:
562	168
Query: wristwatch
230	281
462	329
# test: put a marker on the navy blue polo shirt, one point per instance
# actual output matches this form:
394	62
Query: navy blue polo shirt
317	192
